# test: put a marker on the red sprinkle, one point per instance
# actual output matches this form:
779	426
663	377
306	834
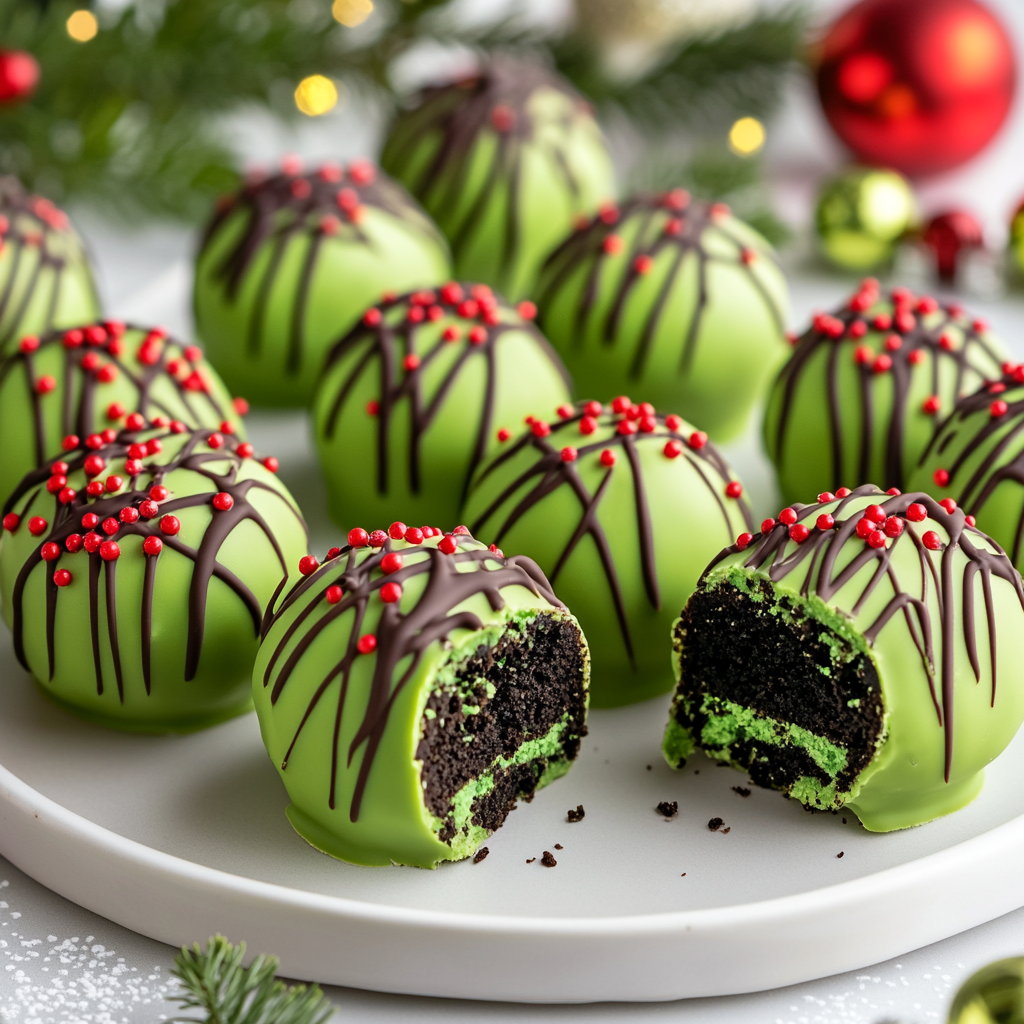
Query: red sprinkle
29	343
998	408
875	513
876	539
67	495
698	439
826	496
111	526
970	520
767	525
37	526
271	464
390	593
787	516
70	442
358	537
504	434
825	521
377	539
643	263
333	553
932	541
367	644
50	551
391	562
931	405
569	454
308	565
743	541
588	425
948	504
799	533
883	364
170	525
91	542
673	449
89	520
158	492
110	551
893	526
45	385
74	542
152	545
865	528
941	477
527	309
414	535
539	428
917	513
894	492
149	509
245	450
733	489
411	362
396	531
626	427
447	545
114	483
94	488
223	501
62	578
128	514
334	594
608	458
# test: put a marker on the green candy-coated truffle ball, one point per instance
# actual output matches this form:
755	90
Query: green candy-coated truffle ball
135	573
675	298
859	397
45	277
504	162
408	694
86	379
861	653
623	508
419	393
290	262
976	457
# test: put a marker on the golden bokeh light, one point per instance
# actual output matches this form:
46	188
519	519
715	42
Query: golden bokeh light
82	26
316	95
746	136
352	12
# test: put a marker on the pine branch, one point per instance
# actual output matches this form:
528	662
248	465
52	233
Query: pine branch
217	983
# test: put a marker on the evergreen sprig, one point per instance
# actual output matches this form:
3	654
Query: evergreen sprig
217	983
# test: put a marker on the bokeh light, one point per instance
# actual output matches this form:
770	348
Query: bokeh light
82	26
746	136
352	12
316	95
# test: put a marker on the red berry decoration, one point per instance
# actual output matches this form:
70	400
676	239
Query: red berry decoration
569	454
949	505
743	541
158	492
396	531
334	594
94	488
333	553
91	542
448	545
941	477
673	449
114	483
377	539
414	535
11	521
825	497
917	513
170	525
865	527
358	537
110	551
843	492
876	539
875	513
799	533
917	85
94	465
698	439
608	458
367	644
89	520
308	565
152	545
787	516
67	495
893	526
245	450
949	235
62	578
111	526
733	489
767	525
128	515
271	464
539	428
37	526
998	408
931	405
825	521
19	76
74	543
391	562
50	551
932	541
588	425
390	593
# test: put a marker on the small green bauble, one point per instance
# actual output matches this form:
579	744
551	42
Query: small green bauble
504	162
86	379
993	995
623	508
859	397
419	393
976	457
860	653
675	298
862	215
136	570
289	264
45	277
411	689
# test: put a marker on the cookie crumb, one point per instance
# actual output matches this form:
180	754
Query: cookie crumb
726	831
741	790
548	860
670	810
715	824
648	767
531	860
480	854
577	815
558	846
683	875
696	771
839	854
844	821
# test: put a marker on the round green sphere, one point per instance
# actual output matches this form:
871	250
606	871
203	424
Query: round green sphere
289	263
673	298
622	508
860	395
505	162
45	277
419	393
135	574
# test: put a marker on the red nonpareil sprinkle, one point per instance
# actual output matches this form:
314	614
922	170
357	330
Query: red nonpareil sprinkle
941	477
29	343
495	550
114	483
527	309
748	255
396	531
245	450
94	441
799	533
946	342
215	441
719	210
411	362
271	464
565	411
883	364
358	537
569	454
109	435
62	578
416	315
451	333
626	428
67	495
106	373
91	542
227	427
367	644
643	264
996	389
608	214
743	541
593	408
149	509
857	330
461	531
414	535
170	525
926	304
362	172
697	440
372	317
73	339
333	553
241	406
733	489
865	527
875	513
59	467
110	551
390	593
843	492
622	404
308	565
135	421
95	335
177	427
94	488
468	309
539	428
970	520
447	545
152	546
608	458
56	484
673	422
74	543
37	526
334	594
391	562
133	467
50	552
876	539
904	321
110	526
916	512
893	343
998	408
137	451
863	355
826	496
948	504
477	335
158	492
128	514
787	516
932	541
451	293
45	385
825	521
588	425
673	449
89	520
504	434
223	501
895	492
893	526
979	326
70	442
931	405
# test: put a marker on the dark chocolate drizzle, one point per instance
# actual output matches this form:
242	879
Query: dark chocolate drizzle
975	356
389	342
694	220
67	519
30	224
460	112
399	634
285	206
550	472
774	554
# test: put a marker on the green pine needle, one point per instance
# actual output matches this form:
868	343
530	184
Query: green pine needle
217	983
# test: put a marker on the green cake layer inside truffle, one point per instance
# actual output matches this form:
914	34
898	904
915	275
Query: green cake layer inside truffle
45	277
858	653
504	162
289	264
411	693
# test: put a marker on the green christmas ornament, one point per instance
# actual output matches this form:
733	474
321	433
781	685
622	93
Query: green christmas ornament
1017	239
412	688
99	376
290	263
860	653
136	569
505	162
674	298
862	215
860	395
419	393
993	995
45	277
623	508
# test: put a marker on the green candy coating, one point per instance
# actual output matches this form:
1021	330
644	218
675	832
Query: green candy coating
347	724
977	458
290	262
45	277
413	399
673	298
100	373
916	611
504	162
848	407
624	543
177	652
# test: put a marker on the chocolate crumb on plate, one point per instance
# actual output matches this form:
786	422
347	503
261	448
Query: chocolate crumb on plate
670	810
741	790
715	824
531	860
480	854
683	875
648	767
576	815
840	853
558	846
548	860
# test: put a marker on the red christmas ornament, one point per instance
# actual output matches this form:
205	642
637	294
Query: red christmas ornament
19	75
917	85
949	235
